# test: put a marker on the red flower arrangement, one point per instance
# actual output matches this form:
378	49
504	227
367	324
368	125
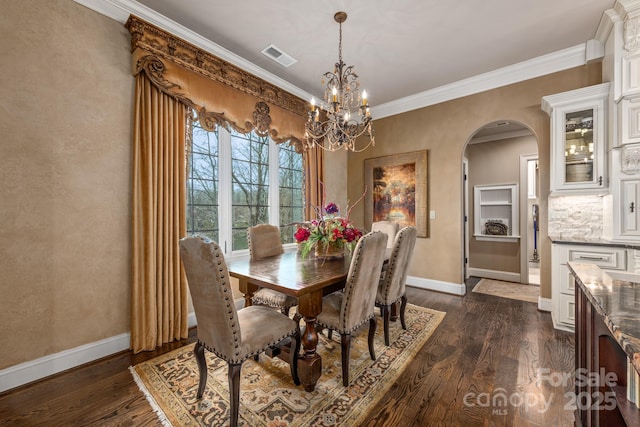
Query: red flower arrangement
328	230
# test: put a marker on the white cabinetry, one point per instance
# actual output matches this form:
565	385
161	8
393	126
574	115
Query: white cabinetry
578	130
562	284
630	120
629	198
495	212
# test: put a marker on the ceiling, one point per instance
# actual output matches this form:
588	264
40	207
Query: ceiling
398	48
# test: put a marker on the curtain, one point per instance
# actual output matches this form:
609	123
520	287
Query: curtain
159	289
314	177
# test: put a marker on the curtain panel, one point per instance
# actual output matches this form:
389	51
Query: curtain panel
159	288
174	77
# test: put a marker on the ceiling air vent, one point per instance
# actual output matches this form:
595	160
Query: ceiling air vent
278	55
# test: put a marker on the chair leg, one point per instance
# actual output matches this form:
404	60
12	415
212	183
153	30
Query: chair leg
330	333
386	315
198	350
403	306
345	341
296	318
234	391
285	311
372	335
294	352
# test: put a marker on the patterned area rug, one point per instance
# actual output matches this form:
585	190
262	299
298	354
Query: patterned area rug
511	290
268	396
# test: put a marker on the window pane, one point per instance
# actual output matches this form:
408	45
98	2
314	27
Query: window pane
241	217
240	239
202	183
291	198
250	177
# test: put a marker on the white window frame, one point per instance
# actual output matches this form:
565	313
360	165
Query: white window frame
225	199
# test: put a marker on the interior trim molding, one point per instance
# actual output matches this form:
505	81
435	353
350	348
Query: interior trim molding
33	370
544	304
561	326
437	285
45	366
501	136
495	274
120	10
551	63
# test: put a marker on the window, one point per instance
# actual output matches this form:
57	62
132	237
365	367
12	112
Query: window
250	178
239	180
202	184
291	181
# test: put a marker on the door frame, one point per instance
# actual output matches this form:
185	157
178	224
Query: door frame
524	222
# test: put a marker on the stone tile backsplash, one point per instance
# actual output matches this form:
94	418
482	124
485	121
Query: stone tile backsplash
575	218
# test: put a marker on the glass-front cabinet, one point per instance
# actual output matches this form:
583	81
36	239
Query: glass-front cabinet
578	132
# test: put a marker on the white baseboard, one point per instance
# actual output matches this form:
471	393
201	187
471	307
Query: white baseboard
437	285
544	304
42	367
33	370
495	274
561	326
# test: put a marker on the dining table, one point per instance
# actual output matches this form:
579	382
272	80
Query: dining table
308	280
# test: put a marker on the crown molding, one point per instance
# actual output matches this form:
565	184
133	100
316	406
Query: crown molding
120	10
627	7
536	67
608	19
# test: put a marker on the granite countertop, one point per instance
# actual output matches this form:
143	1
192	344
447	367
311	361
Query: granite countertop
574	240
616	297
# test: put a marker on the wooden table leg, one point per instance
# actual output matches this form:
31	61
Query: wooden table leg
310	362
247	290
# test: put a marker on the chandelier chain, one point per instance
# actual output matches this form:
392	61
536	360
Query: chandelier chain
340	45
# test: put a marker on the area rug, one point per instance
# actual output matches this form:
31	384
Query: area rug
510	290
268	396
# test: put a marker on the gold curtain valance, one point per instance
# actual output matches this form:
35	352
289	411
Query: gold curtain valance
219	92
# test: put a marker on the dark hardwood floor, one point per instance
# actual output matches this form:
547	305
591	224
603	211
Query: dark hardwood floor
487	351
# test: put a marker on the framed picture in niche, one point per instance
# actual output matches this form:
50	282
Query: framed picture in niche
398	190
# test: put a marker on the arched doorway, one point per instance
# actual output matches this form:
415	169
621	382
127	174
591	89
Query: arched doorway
501	196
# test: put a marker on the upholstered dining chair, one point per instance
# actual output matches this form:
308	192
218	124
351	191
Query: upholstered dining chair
345	311
264	241
233	335
387	227
393	281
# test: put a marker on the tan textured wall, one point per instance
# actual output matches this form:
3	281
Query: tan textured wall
66	94
444	130
495	163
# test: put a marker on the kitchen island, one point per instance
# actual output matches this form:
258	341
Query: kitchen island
607	345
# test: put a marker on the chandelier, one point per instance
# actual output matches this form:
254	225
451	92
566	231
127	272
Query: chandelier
346	115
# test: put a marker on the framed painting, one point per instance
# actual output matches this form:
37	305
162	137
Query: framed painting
398	193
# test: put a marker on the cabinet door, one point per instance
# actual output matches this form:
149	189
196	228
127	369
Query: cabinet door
578	129
630	120
629	196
